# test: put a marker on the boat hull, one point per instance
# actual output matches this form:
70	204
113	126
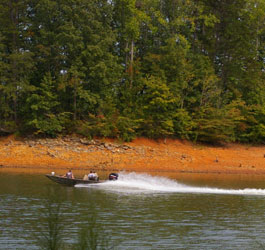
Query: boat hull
70	182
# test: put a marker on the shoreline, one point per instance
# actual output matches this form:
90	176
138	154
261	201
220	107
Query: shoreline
140	155
39	169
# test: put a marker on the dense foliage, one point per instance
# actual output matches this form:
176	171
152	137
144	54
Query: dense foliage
190	69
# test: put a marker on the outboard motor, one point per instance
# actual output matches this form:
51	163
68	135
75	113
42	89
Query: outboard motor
113	177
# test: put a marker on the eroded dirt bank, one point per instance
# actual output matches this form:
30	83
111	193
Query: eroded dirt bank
139	155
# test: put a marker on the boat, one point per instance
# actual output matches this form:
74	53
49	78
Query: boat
71	182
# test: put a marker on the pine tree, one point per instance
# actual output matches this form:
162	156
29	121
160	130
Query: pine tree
16	60
41	106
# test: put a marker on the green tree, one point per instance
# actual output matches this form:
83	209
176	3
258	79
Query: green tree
42	103
128	19
16	60
218	125
157	108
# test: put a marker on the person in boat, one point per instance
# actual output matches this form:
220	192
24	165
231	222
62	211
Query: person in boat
113	177
69	175
96	176
93	176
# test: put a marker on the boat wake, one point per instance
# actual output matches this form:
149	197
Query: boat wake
144	183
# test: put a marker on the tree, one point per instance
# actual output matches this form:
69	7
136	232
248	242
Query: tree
42	103
129	18
218	125
157	109
17	63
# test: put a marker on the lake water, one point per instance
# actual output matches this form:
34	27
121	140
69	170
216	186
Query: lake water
139	211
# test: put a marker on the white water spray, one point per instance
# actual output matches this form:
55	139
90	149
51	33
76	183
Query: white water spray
144	183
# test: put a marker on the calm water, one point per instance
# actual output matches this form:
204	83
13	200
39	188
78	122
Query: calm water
140	211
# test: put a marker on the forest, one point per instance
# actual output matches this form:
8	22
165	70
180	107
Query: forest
187	69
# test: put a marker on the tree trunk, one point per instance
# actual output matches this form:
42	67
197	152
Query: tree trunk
74	100
131	63
14	18
126	55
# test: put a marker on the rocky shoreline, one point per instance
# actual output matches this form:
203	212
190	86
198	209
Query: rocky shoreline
139	155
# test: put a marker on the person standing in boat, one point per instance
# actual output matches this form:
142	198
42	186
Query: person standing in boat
69	175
